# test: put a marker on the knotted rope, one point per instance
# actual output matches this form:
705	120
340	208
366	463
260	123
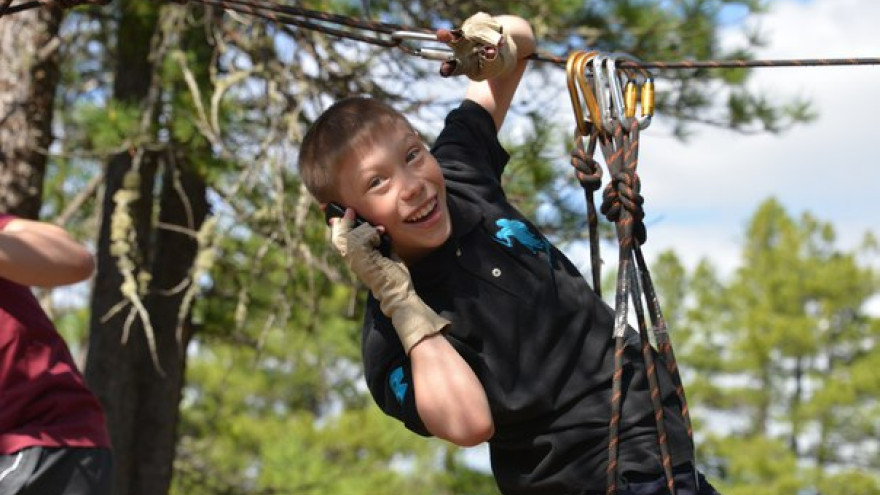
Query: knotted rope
622	204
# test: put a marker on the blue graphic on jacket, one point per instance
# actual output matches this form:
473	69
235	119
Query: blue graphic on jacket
398	386
510	230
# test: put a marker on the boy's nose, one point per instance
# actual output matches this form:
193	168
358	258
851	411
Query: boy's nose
412	187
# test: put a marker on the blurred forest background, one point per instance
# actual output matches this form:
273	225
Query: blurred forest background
222	334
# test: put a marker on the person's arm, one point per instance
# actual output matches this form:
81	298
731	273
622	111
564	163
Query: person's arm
495	94
450	399
40	254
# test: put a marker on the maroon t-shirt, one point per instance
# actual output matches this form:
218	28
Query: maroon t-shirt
44	400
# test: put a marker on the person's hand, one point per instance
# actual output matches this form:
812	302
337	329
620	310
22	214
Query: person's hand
481	49
387	278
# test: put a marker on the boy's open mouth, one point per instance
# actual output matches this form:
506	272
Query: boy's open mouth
423	212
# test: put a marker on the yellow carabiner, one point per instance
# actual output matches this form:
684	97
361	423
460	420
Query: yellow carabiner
638	88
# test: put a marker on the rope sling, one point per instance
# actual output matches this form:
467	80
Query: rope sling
612	125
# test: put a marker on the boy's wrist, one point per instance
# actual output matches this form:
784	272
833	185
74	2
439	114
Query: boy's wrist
520	32
414	320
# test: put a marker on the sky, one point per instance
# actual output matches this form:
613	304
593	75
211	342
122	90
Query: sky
700	193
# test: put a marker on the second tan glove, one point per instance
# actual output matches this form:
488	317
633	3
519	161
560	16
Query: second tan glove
389	280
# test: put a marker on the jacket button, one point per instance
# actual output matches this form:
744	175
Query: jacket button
458	251
496	272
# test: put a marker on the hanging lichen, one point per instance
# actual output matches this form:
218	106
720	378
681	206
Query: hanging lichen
123	239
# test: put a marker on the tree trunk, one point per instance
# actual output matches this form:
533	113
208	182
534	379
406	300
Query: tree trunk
28	78
113	367
183	203
141	401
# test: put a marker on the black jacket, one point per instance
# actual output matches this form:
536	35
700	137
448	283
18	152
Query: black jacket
535	333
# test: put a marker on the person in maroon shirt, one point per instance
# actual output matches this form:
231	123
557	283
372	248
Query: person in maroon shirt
53	431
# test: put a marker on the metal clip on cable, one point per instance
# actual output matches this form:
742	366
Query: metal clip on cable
406	39
602	85
625	101
575	68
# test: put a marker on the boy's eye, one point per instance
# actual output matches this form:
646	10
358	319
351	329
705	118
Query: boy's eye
374	182
413	153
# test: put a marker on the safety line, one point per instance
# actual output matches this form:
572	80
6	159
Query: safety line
737	64
285	14
248	6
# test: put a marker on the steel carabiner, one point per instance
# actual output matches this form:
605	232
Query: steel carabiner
405	41
625	100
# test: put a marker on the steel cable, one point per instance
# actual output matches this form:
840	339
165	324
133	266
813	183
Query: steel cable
296	16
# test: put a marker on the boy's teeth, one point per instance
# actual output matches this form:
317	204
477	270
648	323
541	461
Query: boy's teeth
423	212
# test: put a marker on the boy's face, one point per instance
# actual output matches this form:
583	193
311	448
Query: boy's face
396	183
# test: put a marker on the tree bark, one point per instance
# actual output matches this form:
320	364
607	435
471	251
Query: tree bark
183	203
141	401
28	79
113	366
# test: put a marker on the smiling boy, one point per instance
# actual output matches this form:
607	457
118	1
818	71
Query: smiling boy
477	329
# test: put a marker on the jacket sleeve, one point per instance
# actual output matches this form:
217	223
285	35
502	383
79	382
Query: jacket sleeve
387	369
469	137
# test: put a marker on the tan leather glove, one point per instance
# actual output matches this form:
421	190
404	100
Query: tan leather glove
388	279
481	49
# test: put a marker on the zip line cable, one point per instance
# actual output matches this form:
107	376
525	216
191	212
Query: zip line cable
383	34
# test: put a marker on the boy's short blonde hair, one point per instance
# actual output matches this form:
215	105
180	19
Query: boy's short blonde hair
348	124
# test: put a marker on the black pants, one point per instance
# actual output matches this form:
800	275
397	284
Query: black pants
56	471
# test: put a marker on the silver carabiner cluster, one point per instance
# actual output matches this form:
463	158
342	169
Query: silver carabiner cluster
618	100
411	43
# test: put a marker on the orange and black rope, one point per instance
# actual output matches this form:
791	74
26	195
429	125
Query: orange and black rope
622	205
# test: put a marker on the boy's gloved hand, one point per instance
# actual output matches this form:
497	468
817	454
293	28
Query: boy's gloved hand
388	279
481	49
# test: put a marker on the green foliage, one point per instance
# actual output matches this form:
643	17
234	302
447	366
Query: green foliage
753	466
530	174
73	325
106	127
783	357
849	482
